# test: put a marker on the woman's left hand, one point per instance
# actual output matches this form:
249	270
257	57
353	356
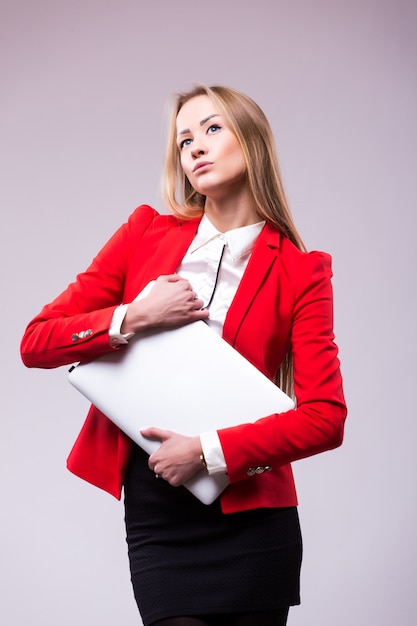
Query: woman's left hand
177	459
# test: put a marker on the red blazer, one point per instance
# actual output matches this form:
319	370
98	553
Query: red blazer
284	300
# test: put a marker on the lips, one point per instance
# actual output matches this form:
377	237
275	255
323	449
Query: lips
201	164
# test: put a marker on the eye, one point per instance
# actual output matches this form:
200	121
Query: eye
213	128
184	143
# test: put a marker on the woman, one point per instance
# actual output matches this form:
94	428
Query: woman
230	255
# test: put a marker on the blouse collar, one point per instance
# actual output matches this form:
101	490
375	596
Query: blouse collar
240	241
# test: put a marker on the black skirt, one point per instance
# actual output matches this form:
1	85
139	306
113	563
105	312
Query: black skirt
187	558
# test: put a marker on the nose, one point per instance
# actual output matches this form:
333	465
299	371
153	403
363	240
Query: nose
198	149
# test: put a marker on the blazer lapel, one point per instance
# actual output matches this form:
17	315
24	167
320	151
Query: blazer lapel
264	255
176	243
159	255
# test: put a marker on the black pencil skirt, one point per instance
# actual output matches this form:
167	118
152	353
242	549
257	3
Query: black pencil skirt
187	558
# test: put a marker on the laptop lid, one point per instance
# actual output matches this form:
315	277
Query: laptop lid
188	380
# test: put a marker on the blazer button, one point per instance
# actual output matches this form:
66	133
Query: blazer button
268	468
82	334
85	333
251	471
259	470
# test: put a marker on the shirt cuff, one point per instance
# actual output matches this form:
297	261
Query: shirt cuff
116	338
213	453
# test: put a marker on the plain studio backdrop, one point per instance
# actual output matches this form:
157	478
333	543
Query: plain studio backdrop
83	92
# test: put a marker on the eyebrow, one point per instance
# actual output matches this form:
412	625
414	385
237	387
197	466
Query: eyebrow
206	119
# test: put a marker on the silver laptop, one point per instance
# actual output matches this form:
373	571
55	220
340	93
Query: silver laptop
188	380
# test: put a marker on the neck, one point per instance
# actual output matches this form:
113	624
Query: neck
229	213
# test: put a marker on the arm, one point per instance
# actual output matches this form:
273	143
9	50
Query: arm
317	422
75	326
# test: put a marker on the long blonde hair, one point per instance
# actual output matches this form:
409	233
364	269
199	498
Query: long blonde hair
251	127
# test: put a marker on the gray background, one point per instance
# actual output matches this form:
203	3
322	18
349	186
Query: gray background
84	85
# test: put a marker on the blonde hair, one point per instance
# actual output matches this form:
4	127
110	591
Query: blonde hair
251	127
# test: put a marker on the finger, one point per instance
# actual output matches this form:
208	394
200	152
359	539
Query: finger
172	278
156	433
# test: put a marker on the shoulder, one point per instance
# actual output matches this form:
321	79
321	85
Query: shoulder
310	264
144	215
145	221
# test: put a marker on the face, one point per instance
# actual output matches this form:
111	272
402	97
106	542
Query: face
210	153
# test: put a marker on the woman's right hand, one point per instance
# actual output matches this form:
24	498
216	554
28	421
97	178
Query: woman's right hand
171	302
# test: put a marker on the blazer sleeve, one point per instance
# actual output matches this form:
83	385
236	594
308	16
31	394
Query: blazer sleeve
317	422
74	327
